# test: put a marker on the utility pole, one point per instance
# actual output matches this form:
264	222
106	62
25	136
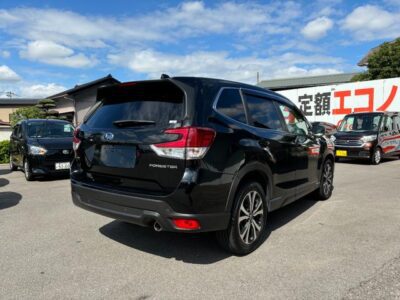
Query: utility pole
10	94
258	77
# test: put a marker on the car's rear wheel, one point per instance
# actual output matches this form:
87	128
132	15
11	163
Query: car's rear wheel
376	156
27	170
247	229
11	164
325	189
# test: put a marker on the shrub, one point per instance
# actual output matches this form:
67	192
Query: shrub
4	152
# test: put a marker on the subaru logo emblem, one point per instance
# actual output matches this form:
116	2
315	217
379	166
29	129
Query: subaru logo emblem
108	136
65	152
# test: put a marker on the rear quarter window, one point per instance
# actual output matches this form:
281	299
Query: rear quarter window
230	104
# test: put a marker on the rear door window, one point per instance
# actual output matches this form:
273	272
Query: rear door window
158	104
387	124
230	104
263	112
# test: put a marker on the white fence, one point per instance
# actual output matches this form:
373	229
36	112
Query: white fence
5	133
332	102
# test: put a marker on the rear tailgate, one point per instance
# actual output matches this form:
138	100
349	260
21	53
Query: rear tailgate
115	139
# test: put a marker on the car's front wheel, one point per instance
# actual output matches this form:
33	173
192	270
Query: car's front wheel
27	170
376	156
247	229
12	167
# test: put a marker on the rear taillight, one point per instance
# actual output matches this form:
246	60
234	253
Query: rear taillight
191	143
76	141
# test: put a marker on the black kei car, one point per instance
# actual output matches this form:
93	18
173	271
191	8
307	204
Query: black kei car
370	136
189	154
41	147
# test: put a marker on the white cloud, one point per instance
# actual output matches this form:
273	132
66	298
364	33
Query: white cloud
40	90
7	74
371	22
221	65
55	54
188	19
317	28
5	54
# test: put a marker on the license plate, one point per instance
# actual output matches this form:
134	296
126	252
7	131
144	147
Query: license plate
341	152
63	166
118	156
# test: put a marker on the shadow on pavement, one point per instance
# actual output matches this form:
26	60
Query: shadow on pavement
52	177
365	162
4	171
4	182
201	248
9	199
290	212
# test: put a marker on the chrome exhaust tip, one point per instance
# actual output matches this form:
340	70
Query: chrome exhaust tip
157	227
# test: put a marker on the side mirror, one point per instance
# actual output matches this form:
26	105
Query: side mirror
318	130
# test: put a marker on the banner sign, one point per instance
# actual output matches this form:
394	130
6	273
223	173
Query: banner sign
331	103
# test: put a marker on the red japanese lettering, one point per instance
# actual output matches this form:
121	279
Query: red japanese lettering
370	93
341	110
389	100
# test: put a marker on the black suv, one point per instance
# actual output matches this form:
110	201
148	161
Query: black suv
191	154
41	147
368	135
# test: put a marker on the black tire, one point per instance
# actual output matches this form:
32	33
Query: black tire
12	167
236	239
325	189
27	171
376	156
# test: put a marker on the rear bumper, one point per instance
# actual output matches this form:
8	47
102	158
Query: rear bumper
354	152
139	210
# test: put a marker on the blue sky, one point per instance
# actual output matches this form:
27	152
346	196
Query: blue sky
48	46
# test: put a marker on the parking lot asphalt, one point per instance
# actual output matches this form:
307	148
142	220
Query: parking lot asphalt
345	247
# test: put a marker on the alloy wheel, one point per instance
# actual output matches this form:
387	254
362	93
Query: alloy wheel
377	156
251	217
11	163
327	178
26	169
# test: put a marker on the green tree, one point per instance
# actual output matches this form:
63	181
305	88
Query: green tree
382	63
22	113
46	105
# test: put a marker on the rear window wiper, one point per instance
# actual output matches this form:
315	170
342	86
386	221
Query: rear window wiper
133	123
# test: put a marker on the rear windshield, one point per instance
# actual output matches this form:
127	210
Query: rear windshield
160	104
48	129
